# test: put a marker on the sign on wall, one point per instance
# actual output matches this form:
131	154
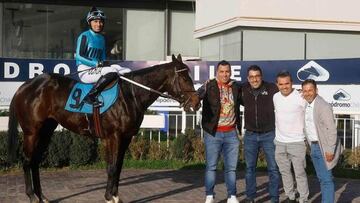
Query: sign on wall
339	77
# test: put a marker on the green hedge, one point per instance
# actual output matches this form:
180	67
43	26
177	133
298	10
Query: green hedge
65	149
69	149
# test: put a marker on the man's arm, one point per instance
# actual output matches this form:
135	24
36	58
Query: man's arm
201	92
330	131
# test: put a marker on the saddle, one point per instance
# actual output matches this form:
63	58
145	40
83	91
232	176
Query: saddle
108	97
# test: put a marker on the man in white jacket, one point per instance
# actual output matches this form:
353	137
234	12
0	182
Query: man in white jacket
320	130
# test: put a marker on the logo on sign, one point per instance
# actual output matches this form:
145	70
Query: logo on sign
341	95
314	71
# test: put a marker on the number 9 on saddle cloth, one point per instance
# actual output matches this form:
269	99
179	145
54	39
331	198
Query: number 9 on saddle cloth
80	90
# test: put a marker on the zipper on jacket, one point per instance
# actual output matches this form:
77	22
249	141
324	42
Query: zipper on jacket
256	114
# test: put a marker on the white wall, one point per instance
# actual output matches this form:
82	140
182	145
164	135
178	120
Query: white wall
213	16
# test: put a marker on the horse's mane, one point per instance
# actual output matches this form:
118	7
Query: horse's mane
146	70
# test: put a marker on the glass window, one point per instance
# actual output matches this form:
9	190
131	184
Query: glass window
272	45
50	31
210	48
182	39
230	46
331	45
145	35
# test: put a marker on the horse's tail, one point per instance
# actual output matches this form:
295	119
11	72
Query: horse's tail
12	134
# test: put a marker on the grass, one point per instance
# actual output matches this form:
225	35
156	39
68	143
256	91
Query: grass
176	165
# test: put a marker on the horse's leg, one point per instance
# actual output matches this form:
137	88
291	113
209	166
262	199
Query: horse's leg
110	154
124	144
114	158
45	134
28	181
29	145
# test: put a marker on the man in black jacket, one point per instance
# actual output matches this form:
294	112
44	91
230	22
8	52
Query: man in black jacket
220	121
257	99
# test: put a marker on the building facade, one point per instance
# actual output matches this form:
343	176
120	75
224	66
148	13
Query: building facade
134	30
277	29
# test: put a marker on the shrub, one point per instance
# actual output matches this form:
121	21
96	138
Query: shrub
4	113
198	149
58	154
83	150
354	158
344	159
139	147
3	148
158	151
181	148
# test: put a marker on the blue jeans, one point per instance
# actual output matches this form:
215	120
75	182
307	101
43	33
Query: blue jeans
324	175
226	143
252	143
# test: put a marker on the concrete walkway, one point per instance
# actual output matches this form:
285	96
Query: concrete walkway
181	186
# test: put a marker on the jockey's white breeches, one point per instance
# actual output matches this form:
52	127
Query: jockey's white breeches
91	75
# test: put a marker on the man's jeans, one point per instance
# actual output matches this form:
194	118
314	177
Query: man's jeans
226	143
252	143
324	175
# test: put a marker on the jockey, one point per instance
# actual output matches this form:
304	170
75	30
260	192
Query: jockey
90	57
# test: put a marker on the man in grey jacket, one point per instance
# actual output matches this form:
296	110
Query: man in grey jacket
320	131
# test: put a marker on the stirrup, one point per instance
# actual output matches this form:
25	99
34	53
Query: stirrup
93	101
97	104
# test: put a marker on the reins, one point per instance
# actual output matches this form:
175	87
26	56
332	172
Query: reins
148	88
143	86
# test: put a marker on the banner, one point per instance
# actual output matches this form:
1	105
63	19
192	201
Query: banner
329	71
331	75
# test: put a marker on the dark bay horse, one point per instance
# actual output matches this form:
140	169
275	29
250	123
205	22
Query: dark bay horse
38	106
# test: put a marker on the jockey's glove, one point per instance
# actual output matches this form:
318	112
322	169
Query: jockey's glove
103	63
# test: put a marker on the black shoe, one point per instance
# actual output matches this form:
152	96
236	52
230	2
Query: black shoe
249	200
290	201
92	99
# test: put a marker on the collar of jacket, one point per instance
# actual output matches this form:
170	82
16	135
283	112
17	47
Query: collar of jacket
229	84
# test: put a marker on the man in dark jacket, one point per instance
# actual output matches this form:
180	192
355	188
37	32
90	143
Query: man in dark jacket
257	99
220	121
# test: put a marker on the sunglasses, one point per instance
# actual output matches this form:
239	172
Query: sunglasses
98	13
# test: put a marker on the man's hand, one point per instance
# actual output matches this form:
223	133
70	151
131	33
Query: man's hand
329	156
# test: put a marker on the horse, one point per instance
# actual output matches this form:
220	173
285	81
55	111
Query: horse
38	106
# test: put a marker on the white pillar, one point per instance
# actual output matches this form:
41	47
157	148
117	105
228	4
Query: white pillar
356	130
183	122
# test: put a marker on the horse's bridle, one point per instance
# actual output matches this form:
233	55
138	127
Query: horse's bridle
176	84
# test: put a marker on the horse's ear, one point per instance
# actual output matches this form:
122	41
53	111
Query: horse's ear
179	58
173	58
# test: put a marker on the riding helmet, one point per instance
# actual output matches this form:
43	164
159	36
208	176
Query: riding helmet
95	14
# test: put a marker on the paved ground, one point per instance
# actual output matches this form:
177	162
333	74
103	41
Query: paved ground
150	186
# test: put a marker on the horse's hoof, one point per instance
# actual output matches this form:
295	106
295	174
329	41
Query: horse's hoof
44	199
117	199
34	199
110	201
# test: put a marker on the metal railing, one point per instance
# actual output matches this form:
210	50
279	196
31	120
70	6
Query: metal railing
348	129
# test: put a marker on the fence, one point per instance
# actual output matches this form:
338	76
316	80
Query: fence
348	129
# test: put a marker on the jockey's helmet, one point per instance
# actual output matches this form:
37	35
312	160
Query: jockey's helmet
95	14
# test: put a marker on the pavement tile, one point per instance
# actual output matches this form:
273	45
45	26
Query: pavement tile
158	186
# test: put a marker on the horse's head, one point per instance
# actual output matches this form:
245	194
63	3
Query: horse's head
181	86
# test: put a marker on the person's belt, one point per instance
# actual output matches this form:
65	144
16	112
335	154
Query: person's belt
314	142
259	132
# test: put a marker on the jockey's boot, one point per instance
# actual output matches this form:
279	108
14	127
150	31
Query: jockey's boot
100	85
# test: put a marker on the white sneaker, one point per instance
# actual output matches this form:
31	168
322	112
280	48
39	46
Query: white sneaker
209	199
232	199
